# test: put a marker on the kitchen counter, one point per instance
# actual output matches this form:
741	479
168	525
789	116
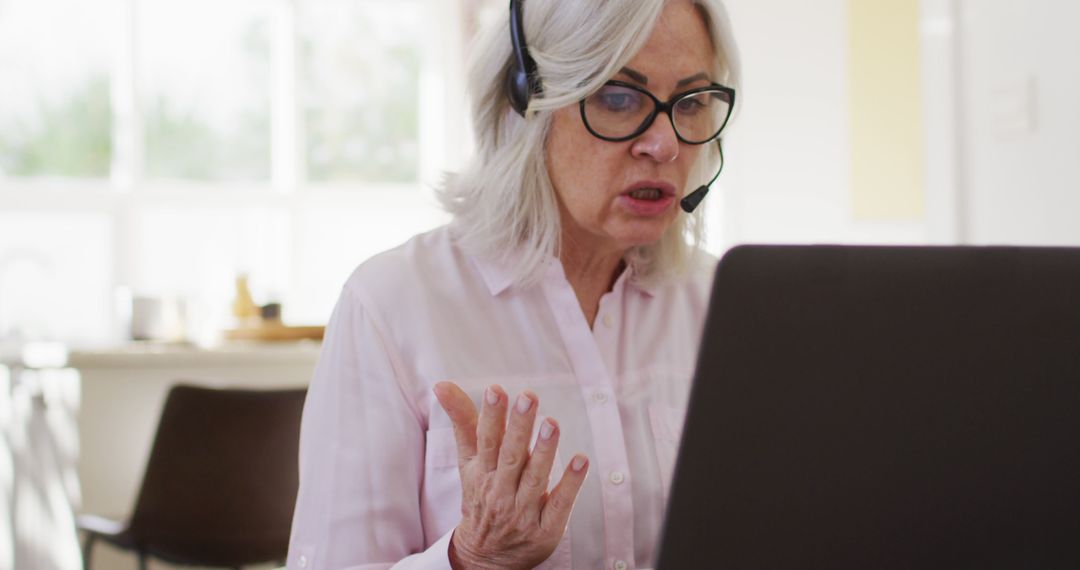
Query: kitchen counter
167	355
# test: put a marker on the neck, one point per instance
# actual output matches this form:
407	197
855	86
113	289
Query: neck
591	274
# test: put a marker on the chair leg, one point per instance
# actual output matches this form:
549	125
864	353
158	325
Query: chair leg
142	560
88	550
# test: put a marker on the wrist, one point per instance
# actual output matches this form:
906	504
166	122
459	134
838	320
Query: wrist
463	558
452	554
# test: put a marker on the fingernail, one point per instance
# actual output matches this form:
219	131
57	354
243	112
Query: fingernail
546	429
578	463
523	403
491	396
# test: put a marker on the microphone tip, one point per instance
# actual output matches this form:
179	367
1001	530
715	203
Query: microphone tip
690	202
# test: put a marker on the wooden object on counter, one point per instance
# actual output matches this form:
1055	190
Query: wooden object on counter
275	331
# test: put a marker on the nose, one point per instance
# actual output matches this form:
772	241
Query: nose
658	142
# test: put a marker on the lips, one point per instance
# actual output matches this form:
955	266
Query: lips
648	198
650	190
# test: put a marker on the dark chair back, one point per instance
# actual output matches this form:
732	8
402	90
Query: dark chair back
221	480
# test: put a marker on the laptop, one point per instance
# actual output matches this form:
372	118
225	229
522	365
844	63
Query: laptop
881	408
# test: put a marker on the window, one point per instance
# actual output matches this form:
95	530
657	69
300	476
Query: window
204	73
55	114
166	147
360	98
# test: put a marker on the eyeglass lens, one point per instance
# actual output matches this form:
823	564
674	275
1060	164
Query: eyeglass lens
616	111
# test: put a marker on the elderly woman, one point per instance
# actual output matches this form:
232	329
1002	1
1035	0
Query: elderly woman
472	377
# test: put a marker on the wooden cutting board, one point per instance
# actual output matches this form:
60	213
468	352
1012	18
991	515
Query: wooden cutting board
275	332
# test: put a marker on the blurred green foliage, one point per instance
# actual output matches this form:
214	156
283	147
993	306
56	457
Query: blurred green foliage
70	137
361	110
182	144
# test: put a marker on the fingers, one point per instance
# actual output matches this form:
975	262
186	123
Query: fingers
556	511
489	433
505	503
463	415
515	446
537	473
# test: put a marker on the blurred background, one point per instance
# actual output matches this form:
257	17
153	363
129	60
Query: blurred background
170	171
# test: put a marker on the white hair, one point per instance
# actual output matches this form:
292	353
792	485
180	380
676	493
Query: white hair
503	203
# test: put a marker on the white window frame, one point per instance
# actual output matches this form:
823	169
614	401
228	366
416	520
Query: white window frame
444	143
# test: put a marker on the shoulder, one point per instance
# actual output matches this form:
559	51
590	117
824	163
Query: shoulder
431	264
398	267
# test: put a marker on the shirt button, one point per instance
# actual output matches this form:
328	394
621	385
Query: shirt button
621	565
599	397
608	321
617	477
302	561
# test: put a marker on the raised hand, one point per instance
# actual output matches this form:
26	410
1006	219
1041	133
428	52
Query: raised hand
508	518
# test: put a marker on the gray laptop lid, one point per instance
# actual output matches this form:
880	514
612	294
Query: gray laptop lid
875	407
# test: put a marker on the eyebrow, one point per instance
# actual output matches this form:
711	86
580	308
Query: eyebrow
644	80
699	77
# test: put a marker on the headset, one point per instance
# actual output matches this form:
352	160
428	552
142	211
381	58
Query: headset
522	80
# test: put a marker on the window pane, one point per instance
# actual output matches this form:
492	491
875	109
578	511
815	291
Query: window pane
360	69
205	72
55	114
55	276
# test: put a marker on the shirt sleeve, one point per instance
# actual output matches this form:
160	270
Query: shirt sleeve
361	458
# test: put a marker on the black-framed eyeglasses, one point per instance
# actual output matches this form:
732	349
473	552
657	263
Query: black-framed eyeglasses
620	111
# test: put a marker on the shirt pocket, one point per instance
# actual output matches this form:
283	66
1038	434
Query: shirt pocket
441	449
440	496
667	425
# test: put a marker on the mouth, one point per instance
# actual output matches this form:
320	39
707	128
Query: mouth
649	194
648	198
650	191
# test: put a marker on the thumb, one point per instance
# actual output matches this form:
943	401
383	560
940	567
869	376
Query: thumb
463	415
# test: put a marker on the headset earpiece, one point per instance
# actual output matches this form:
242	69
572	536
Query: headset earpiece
522	81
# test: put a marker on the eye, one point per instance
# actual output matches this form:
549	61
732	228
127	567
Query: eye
692	104
616	99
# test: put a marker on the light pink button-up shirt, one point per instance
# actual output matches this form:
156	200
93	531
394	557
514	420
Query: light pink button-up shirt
379	484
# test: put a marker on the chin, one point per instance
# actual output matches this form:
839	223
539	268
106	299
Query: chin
642	236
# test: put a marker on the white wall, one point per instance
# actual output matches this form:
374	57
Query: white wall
788	177
1019	97
1001	95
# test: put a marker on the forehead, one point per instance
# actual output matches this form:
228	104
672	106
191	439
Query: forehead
679	46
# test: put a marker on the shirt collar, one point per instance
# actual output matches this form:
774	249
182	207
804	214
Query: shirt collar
497	276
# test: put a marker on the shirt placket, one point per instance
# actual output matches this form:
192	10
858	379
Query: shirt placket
597	384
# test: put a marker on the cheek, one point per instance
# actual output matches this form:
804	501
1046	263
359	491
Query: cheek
580	166
688	158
